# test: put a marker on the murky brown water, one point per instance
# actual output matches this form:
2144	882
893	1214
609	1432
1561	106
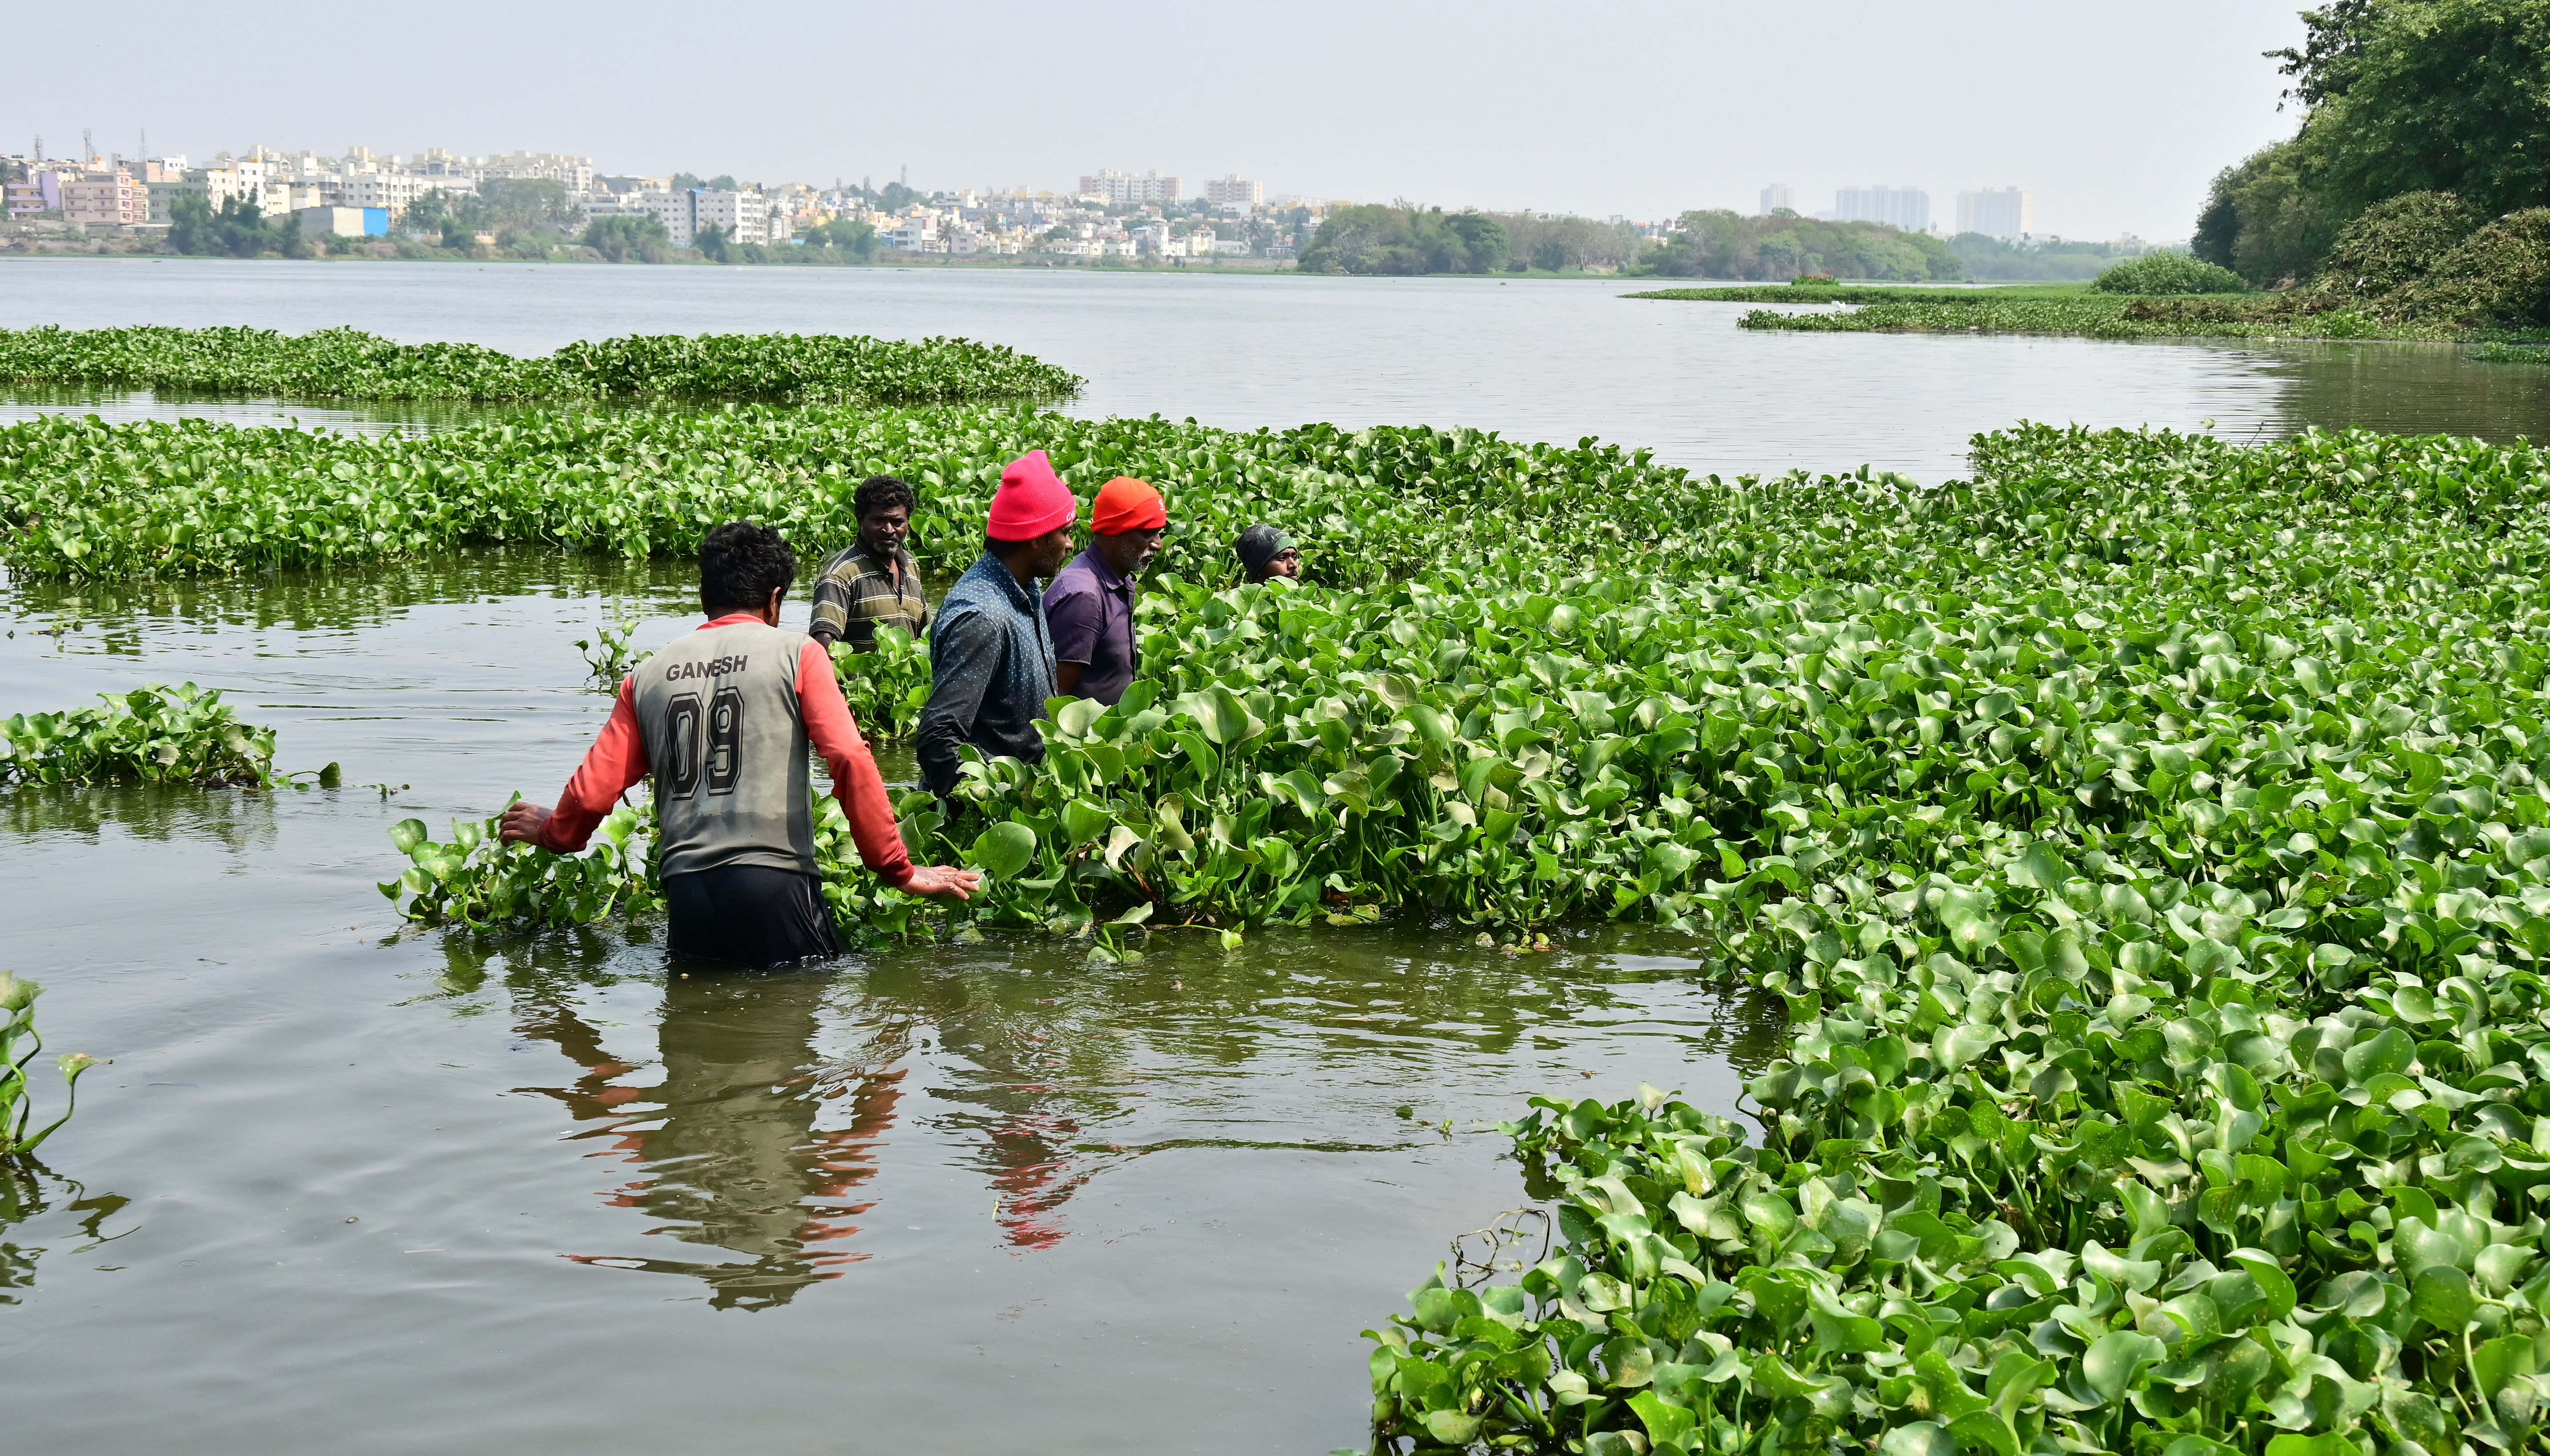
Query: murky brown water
353	1186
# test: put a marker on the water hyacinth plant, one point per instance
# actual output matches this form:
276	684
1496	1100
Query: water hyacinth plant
2164	969
20	1045
152	734
2146	834
478	881
347	363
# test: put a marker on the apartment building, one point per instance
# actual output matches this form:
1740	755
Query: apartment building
1908	208
1234	191
2007	213
1124	189
105	198
746	217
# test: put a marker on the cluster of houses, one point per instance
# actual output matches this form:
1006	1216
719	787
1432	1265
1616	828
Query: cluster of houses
1112	214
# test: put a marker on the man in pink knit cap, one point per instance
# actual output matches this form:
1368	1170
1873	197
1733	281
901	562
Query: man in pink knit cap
991	654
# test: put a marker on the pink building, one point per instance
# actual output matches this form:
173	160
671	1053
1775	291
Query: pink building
108	198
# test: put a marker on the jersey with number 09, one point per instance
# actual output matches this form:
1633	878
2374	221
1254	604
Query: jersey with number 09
726	743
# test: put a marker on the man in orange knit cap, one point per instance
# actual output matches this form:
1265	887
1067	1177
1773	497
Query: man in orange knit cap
1091	603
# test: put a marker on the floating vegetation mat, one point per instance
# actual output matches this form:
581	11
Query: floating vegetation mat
349	364
155	734
2146	834
2150	847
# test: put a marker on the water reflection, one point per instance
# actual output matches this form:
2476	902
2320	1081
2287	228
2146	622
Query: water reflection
113	616
726	1145
235	818
755	1129
28	1191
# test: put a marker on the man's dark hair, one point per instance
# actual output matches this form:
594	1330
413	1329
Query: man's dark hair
879	492
1006	549
741	565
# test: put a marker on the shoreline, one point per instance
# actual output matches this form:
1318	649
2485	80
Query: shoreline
2068	311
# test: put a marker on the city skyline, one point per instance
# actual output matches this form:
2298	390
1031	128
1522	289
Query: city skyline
1644	112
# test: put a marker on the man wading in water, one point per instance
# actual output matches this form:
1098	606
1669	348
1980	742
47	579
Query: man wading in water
721	719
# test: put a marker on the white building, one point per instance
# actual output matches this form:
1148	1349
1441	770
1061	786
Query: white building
745	216
1234	191
1908	208
1777	196
1127	189
2007	213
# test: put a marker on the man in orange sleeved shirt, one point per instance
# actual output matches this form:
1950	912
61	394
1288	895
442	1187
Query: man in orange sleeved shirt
721	719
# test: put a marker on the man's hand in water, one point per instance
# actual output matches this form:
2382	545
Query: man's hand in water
942	881
522	823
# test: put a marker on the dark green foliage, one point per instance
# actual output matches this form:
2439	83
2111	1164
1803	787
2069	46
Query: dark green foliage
238	230
2429	96
1559	243
2264	222
2160	274
621	239
1720	245
2499	274
856	239
1405	239
711	240
155	734
2397	241
2405	97
347	363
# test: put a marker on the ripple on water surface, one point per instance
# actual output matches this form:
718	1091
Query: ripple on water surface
341	1169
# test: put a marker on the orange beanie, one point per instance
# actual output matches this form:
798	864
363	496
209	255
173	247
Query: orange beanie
1125	504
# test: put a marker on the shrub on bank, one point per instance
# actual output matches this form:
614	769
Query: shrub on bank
2167	273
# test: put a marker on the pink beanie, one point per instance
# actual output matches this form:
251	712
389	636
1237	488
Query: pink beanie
1031	501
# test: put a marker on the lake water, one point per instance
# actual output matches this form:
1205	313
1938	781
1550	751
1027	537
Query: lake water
1547	359
353	1186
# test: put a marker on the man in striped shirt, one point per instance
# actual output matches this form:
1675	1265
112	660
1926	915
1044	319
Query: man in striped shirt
872	582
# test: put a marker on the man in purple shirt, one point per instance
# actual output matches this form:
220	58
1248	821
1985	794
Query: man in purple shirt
1090	607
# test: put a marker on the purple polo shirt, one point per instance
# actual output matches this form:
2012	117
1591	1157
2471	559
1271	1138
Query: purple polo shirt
1090	611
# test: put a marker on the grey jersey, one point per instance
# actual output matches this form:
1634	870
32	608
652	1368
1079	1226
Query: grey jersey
725	745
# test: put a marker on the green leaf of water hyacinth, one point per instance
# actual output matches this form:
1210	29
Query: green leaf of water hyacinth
2115	1359
1004	850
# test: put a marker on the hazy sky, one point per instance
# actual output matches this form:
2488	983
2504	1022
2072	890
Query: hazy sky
2116	113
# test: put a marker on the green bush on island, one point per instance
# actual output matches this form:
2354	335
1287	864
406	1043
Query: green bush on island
2167	273
347	363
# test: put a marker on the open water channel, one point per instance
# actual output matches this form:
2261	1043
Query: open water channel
350	1185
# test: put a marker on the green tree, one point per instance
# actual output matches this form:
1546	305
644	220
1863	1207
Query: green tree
2264	221
1717	243
640	237
858	240
240	228
2427	95
711	240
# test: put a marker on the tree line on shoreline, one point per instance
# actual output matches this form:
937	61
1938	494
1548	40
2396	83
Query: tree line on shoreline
1404	237
2416	179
